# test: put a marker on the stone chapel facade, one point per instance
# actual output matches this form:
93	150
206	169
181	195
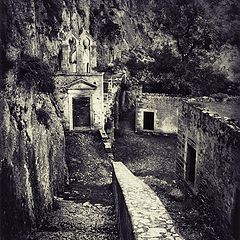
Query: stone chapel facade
84	99
78	53
80	87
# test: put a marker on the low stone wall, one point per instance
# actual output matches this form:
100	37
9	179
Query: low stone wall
165	109
141	214
216	142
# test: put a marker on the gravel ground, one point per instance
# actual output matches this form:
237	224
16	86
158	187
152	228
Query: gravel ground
152	158
86	209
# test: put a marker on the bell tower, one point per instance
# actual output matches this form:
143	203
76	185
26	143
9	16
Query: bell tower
78	53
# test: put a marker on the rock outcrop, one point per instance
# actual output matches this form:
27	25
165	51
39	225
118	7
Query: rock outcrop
118	26
32	158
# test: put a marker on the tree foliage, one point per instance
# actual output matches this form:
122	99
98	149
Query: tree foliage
224	18
185	21
185	66
167	73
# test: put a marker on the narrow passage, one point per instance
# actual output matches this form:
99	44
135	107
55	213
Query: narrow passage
85	210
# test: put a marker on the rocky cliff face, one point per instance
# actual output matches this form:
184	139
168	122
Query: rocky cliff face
32	145
121	26
33	167
37	27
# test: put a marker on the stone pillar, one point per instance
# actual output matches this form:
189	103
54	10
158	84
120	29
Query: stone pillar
93	56
80	65
65	58
79	58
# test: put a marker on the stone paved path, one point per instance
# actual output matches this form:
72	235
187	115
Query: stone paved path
149	216
85	210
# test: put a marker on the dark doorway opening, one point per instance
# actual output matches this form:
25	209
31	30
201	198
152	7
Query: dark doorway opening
148	120
190	164
236	216
81	112
88	68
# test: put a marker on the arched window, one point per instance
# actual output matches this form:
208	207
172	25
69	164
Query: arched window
72	54
86	43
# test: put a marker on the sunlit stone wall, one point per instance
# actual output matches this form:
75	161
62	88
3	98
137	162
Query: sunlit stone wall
165	110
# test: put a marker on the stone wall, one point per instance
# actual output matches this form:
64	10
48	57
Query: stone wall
32	160
111	97
124	219
141	214
165	109
216	141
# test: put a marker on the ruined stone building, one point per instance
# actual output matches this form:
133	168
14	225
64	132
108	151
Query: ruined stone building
157	113
208	153
209	156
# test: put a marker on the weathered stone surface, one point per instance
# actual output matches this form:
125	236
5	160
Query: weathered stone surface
142	215
176	194
86	155
78	85
165	109
205	124
86	209
32	160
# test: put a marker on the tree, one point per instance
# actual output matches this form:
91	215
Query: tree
185	66
186	23
225	20
167	73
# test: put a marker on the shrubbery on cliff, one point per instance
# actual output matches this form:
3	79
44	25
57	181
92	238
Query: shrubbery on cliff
33	73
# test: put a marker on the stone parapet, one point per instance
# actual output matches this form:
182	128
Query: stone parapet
209	142
141	214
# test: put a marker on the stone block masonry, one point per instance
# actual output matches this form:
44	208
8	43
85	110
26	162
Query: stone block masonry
163	111
208	157
141	214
